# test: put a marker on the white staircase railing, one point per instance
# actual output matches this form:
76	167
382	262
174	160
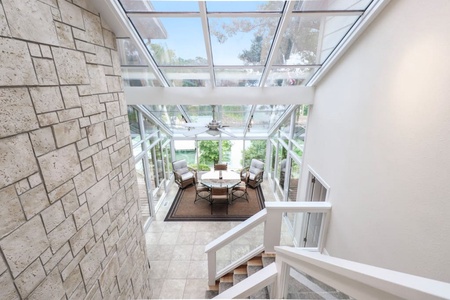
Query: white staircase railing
271	216
357	280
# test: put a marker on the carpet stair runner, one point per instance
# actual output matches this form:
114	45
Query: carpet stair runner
301	286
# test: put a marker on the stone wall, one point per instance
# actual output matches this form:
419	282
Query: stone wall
69	214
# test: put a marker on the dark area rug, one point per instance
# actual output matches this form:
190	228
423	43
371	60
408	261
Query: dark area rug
184	209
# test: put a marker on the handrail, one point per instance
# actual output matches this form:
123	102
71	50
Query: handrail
272	217
357	280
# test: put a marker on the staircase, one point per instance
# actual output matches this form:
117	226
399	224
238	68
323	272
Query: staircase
240	273
300	285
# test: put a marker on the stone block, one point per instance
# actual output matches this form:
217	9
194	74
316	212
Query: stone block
50	288
84	180
42	140
82	144
71	14
114	84
113	109
85	153
102	163
65	261
59	166
109	273
108	142
92	261
118	157
24	245
34	180
7	288
98	81
17	160
16	67
80	239
71	66
70	203
46	99
98	118
35	50
53	216
22	186
66	133
16	112
81	215
60	191
46	52
31	20
102	56
4	29
64	33
98	195
30	278
48	119
110	39
91	105
85	47
96	133
93	28
70	96
61	234
86	164
72	282
34	201
110	242
56	258
72	265
45	71
11	215
70	114
101	226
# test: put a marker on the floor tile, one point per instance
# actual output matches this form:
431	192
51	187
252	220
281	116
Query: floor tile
172	289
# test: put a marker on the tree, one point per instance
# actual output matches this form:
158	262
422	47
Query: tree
256	150
209	151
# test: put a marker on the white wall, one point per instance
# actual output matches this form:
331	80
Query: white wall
379	135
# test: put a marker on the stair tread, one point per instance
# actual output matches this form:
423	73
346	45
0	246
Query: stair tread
223	286
256	261
213	287
240	270
227	278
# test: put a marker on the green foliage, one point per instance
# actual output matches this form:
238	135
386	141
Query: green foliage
253	56
209	151
256	150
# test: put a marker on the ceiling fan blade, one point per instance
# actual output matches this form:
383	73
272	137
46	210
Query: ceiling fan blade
195	132
226	132
193	125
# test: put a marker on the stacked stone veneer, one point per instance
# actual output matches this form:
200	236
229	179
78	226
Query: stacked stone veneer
69	213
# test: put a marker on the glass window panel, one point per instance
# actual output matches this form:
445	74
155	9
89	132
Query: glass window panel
235	162
128	53
301	117
139	76
293	181
209	153
133	120
318	5
166	39
160	6
244	6
187	77
143	195
170	115
265	116
242	41
254	149
238	77
185	150
290	76
199	113
149	127
310	39
167	157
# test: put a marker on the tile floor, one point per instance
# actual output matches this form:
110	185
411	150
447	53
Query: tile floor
176	252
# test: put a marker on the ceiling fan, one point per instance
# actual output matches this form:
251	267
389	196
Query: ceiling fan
213	128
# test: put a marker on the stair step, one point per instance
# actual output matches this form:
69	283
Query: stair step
225	282
211	294
238	278
268	258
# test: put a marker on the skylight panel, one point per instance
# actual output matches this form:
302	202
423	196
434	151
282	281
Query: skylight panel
321	5
249	77
187	77
244	6
175	42
159	6
290	76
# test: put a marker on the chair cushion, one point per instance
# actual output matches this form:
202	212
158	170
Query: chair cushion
179	164
257	164
187	176
254	171
182	171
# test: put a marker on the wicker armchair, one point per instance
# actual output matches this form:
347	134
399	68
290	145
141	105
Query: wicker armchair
255	173
184	175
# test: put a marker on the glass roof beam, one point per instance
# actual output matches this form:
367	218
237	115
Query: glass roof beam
285	115
249	119
184	114
136	39
277	39
209	56
154	119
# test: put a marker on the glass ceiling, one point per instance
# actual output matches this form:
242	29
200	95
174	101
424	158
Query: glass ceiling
232	44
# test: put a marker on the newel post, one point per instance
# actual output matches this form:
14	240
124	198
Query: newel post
272	229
